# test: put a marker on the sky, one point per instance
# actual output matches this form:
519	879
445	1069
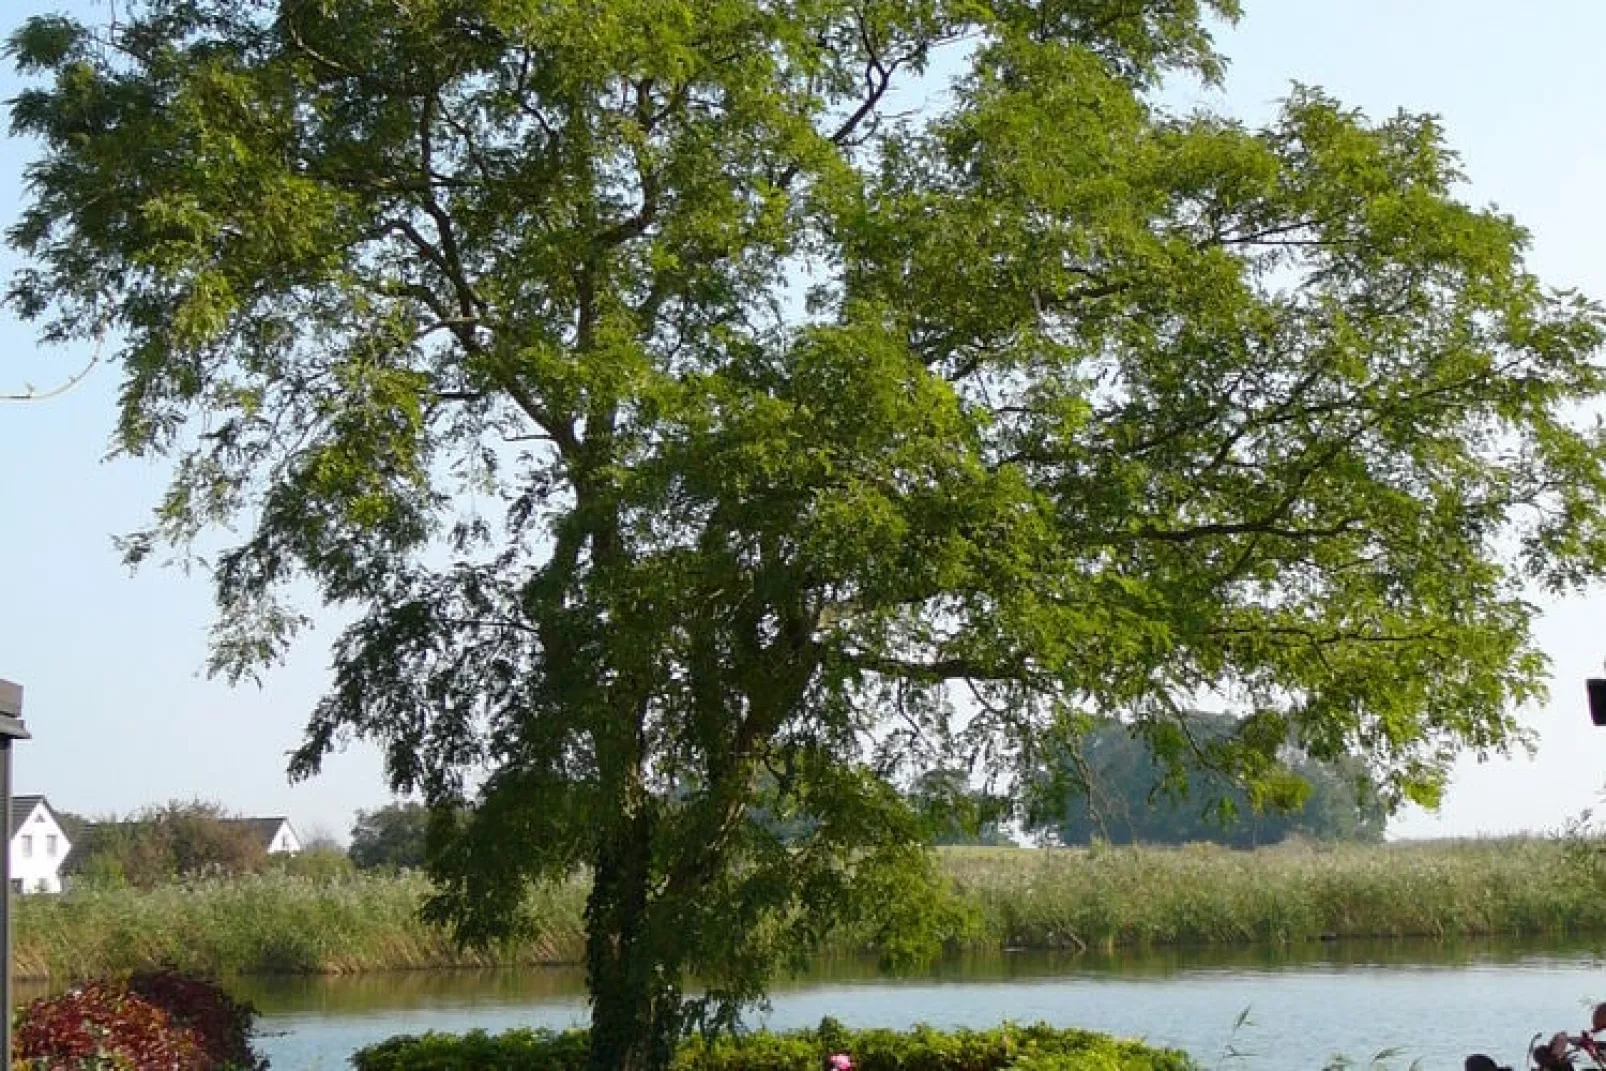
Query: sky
112	662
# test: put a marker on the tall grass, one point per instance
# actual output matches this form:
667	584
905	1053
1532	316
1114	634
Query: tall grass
1203	894
270	923
1071	898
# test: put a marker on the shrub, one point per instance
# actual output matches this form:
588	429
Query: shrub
221	1024
1009	1048
159	1019
103	1024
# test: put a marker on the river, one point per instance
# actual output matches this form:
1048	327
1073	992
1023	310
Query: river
1241	1009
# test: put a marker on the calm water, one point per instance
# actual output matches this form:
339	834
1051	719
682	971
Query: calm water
1432	1003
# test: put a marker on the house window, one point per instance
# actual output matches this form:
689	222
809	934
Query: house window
27	847
50	845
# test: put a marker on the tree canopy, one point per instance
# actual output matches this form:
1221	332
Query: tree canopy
679	414
393	836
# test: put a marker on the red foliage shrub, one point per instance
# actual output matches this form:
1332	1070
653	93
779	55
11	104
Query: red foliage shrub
221	1024
104	1021
155	1020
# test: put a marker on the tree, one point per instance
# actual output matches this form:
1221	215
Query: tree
670	415
392	837
1110	788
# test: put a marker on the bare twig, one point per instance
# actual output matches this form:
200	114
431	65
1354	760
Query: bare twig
29	394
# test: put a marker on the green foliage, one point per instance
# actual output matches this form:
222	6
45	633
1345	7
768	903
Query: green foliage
317	862
1034	1048
1109	787
511	1051
391	837
1583	841
165	843
674	426
958	813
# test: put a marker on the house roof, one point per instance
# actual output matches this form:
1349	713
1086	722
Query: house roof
23	806
263	829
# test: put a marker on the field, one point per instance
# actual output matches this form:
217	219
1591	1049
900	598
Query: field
1009	898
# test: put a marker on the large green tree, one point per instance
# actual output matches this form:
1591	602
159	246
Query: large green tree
685	421
393	836
1107	786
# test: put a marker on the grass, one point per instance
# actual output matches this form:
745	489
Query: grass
1203	894
265	924
1098	898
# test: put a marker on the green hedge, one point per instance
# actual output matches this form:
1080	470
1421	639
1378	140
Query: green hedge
1009	1048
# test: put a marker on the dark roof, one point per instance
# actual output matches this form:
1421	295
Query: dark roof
23	806
263	829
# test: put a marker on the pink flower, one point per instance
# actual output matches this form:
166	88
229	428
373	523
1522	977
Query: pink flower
840	1062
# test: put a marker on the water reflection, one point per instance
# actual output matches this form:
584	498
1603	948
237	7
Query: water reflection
398	990
395	991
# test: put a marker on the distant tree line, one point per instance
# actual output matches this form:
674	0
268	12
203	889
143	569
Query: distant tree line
1107	785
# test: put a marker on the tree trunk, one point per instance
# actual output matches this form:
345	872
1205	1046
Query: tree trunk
636	1001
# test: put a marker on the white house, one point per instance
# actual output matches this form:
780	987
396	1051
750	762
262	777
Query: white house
276	835
38	845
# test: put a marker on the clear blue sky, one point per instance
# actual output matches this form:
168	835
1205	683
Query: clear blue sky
122	716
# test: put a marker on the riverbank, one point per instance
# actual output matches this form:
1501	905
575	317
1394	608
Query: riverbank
1008	898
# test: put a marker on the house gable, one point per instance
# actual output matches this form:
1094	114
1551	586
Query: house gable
276	835
284	840
39	845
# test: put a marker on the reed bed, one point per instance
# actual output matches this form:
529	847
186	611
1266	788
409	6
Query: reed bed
268	924
1204	894
1097	898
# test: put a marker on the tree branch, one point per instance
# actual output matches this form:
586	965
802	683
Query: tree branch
942	669
1264	527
